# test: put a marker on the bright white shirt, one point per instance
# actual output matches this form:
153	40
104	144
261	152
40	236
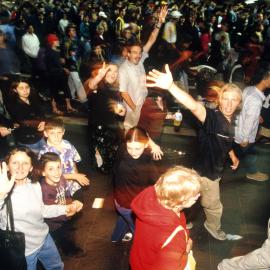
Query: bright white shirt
63	25
169	32
29	212
132	79
247	122
30	44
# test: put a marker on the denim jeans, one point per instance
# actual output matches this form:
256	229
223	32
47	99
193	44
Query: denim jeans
247	156
47	254
124	223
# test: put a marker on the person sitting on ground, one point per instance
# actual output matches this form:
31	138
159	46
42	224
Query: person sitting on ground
54	132
133	170
161	240
55	190
215	142
25	108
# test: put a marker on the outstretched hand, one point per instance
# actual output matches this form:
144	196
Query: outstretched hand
5	183
160	79
162	14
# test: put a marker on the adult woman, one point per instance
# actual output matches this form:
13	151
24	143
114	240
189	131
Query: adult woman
105	113
29	210
132	172
24	109
158	211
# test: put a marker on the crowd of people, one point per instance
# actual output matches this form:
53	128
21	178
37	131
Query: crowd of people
61	57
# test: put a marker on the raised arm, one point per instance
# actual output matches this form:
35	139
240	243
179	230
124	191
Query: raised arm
93	82
153	36
6	184
165	81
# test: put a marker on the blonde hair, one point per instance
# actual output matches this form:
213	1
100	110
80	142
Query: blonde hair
231	87
176	186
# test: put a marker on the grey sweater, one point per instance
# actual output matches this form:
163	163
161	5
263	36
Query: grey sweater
29	211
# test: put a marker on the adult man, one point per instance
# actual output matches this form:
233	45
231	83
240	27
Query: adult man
132	75
248	122
31	46
215	142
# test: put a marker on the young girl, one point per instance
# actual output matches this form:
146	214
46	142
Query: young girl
28	209
132	172
24	109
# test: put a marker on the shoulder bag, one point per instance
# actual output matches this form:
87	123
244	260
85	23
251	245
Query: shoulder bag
12	244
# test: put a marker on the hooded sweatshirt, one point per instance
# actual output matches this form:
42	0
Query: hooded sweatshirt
154	224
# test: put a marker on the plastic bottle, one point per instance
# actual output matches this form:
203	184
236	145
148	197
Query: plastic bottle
177	120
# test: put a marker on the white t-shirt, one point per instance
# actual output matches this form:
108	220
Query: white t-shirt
132	79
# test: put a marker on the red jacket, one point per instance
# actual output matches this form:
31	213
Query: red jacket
154	224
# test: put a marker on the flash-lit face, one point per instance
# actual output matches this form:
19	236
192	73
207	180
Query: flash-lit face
228	103
20	165
54	136
52	172
135	54
112	74
135	149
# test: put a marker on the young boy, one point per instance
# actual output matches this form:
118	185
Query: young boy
54	131
55	191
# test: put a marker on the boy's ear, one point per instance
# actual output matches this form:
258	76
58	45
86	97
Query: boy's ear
43	174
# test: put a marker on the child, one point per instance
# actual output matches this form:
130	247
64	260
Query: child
133	171
55	191
54	132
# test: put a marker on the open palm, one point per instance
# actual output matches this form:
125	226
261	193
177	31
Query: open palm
5	183
159	79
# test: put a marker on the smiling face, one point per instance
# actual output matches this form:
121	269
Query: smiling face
54	136
135	149
20	165
52	172
229	103
112	74
135	55
23	90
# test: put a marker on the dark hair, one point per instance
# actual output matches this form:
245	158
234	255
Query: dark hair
48	157
261	74
15	84
33	175
137	134
54	123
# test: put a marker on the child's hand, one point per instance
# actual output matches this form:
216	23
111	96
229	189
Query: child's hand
81	179
78	205
71	210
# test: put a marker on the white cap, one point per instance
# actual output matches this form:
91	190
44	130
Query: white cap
102	14
176	14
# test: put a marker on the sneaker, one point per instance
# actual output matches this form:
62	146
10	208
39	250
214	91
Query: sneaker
258	176
127	237
219	234
189	225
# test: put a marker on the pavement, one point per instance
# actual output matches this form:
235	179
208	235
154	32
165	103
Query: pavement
246	207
